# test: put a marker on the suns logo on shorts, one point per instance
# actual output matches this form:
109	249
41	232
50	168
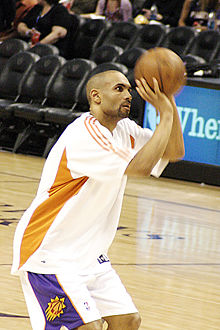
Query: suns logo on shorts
55	308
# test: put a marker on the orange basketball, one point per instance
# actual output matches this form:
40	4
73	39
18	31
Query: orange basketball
164	65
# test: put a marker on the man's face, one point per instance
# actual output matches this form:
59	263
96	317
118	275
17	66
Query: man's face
116	96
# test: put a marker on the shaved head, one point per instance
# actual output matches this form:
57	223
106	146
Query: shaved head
99	80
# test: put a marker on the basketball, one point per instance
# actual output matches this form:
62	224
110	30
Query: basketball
164	65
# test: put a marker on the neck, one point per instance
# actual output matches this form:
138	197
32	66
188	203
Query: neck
105	120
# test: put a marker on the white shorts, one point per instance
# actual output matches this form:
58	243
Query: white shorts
54	301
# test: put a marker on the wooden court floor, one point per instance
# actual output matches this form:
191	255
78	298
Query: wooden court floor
166	251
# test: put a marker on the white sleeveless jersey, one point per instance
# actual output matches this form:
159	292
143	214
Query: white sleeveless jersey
74	217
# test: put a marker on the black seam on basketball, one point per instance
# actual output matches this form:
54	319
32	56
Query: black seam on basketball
160	74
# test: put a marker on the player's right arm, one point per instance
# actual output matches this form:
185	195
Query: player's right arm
149	155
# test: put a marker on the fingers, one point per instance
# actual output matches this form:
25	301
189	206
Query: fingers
158	99
145	90
156	86
141	90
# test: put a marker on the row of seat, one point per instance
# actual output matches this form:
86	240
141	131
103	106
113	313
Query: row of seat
90	34
183	40
40	96
12	46
205	54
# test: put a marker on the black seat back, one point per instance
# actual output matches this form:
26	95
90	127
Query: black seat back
44	50
206	45
108	66
149	36
179	39
64	90
106	53
121	34
15	72
129	58
90	35
10	47
40	77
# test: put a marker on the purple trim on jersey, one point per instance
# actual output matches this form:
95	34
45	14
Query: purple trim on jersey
56	306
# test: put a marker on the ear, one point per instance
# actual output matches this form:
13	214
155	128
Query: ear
95	96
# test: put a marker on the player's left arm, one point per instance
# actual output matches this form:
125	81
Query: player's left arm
175	149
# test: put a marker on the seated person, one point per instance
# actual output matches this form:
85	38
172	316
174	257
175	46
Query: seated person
22	8
114	10
168	12
51	21
196	13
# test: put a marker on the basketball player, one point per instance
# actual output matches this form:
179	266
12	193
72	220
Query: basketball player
61	242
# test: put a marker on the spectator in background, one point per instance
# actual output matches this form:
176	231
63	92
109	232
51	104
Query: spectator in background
168	11
7	14
115	10
50	21
22	8
196	13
